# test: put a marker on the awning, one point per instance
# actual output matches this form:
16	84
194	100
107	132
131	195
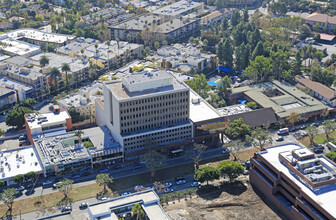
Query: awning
224	69
212	83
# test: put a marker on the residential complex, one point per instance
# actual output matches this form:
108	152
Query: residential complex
298	183
18	48
321	19
282	97
147	105
83	101
7	96
22	91
80	43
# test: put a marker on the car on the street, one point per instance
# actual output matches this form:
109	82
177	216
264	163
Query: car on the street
279	139
46	182
138	187
66	209
104	198
293	129
75	176
22	137
125	193
302	127
149	187
195	184
55	185
321	146
168	184
225	151
179	178
86	174
104	171
180	182
59	179
19	188
318	149
168	190
83	205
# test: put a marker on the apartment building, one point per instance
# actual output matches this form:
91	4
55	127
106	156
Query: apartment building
321	19
7	96
146	106
298	183
22	91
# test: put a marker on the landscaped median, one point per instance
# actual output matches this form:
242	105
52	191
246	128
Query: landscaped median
319	139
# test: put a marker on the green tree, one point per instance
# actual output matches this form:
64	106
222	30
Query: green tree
79	134
227	57
19	179
2	184
138	212
293	118
200	85
241	57
7	197
245	15
2	132
51	48
296	67
104	179
252	105
258	50
230	169
280	63
305	32
31	176
197	154
154	161
225	23
55	75
44	61
324	76
238	128
28	103
331	156
312	131
157	45
65	187
235	17
15	116
223	86
329	127
235	147
259	70
147	50
206	174
66	69
260	138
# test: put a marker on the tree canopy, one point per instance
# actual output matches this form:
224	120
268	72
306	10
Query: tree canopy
200	85
206	174
238	128
15	116
230	169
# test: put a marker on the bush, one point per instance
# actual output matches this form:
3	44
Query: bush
88	144
252	105
331	156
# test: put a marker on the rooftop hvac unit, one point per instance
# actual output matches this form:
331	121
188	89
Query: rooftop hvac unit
195	100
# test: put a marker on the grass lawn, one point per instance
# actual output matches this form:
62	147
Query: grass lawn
319	139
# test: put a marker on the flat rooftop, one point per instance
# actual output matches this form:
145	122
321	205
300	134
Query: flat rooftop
76	45
233	109
36	120
4	92
325	196
101	138
201	110
285	99
14	85
120	92
32	72
134	24
148	199
19	161
168	27
177	8
39	35
17	47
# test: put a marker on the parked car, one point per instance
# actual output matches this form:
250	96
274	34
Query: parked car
168	190
104	171
75	176
168	184
22	137
20	188
180	182
195	184
59	179
225	151
55	185
279	139
46	182
83	205
66	209
179	178
125	193
293	129
318	150
138	187
103	198
321	146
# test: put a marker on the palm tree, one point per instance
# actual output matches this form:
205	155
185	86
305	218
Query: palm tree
96	46
118	41
44	61
54	75
138	212
79	134
66	69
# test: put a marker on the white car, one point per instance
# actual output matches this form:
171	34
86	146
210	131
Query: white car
168	190
180	182
168	184
149	187
138	187
20	188
195	184
103	198
125	193
46	182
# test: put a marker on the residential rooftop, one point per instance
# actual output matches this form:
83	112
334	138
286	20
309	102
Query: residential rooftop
19	161
177	8
319	88
282	155
174	24
14	85
4	92
31	72
38	35
134	24
284	100
76	45
322	18
19	48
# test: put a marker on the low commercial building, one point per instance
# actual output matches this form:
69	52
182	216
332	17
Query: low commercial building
83	102
119	206
282	97
319	90
39	37
7	96
18	161
112	55
22	91
66	151
298	183
18	48
178	9
147	105
38	124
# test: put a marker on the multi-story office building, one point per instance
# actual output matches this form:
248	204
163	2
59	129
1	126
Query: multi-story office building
147	106
298	183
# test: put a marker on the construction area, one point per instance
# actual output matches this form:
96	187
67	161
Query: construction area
222	201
